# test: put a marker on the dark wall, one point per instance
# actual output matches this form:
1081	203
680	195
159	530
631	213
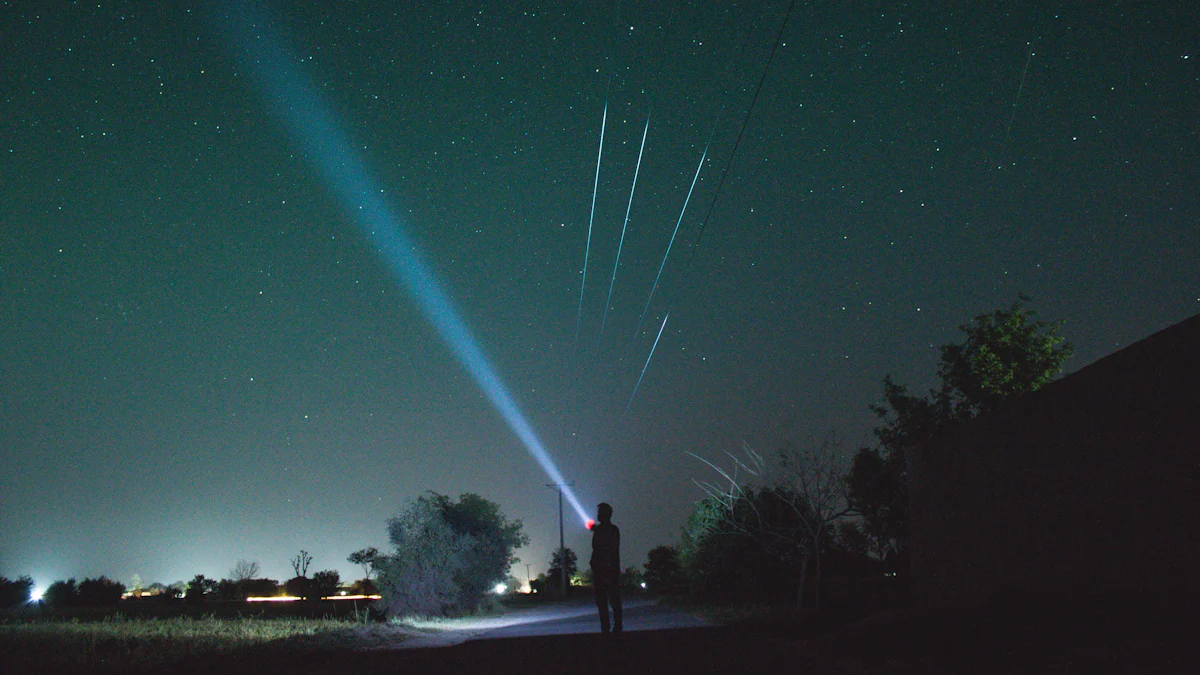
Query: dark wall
1089	484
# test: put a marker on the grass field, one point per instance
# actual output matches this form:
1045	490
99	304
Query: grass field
118	643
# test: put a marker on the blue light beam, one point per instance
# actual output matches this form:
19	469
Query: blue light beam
311	125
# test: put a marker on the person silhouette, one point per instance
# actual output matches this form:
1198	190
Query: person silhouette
606	567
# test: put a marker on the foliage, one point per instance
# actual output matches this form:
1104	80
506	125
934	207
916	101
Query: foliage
325	583
663	570
418	578
260	588
447	555
365	558
722	562
495	541
631	579
554	574
1004	354
794	513
199	587
100	591
15	592
120	645
62	594
299	587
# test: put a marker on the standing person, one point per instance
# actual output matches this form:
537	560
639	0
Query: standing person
606	567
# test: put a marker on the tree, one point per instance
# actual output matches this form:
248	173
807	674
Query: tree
243	571
1003	355
495	542
14	592
300	563
631	579
663	571
365	558
1007	353
556	566
418	577
326	583
298	587
240	575
199	587
447	554
726	556
262	588
803	498
62	594
100	591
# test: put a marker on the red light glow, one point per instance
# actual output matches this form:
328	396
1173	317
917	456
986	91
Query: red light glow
590	523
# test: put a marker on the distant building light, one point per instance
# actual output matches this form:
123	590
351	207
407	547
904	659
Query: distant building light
500	588
643	584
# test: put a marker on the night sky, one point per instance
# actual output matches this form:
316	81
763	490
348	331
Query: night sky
203	360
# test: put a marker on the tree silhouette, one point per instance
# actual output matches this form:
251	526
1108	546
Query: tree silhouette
300	563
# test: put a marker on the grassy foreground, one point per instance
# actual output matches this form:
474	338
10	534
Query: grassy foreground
121	644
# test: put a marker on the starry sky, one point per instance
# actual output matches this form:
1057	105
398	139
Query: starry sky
203	360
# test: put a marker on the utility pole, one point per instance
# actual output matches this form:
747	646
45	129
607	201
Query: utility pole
528	579
562	549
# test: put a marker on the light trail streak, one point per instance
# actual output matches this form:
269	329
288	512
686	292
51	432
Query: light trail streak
652	348
671	242
312	126
632	188
591	219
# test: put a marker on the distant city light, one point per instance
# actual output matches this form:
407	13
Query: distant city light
643	584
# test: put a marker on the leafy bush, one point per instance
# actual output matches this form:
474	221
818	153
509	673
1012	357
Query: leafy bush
300	587
100	591
199	587
722	562
62	594
663	571
447	555
15	592
325	583
261	588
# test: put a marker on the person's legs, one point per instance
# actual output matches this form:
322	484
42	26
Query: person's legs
601	604
614	596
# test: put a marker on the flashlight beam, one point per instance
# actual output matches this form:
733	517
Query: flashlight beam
312	126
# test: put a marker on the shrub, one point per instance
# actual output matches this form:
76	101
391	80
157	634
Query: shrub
325	583
15	592
62	594
100	591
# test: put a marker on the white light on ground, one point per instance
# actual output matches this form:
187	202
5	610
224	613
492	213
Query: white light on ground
500	588
36	594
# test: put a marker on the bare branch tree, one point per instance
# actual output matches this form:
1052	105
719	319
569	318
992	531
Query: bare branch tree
300	563
808	483
811	481
243	571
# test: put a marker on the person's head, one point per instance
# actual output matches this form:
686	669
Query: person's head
603	513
